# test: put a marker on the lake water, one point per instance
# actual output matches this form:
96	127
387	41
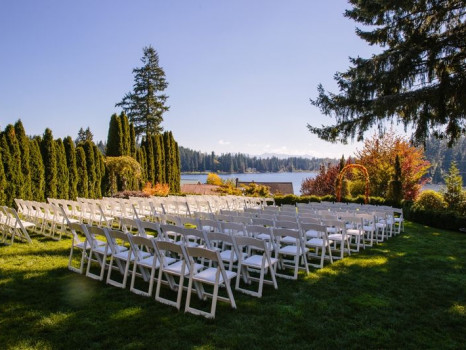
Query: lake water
295	178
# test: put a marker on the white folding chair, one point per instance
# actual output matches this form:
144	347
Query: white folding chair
319	242
215	276
97	250
296	250
146	261
121	254
263	263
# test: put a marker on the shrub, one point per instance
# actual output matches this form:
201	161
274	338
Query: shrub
127	194
430	200
160	190
214	179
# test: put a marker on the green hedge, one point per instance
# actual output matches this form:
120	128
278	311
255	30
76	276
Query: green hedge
443	219
293	199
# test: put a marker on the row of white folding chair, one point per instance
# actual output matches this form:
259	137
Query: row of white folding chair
46	217
153	257
11	225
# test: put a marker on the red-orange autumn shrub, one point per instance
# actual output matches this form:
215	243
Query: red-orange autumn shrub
160	190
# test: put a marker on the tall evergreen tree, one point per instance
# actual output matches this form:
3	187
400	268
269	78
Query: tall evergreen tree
2	181
125	134
132	137
13	171
141	159
98	171
91	168
150	167
177	178
419	79
23	141
37	170
84	135
63	177
49	157
70	152
83	182
168	159
145	105
160	162
115	137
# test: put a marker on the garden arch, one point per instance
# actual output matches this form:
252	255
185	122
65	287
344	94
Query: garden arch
343	171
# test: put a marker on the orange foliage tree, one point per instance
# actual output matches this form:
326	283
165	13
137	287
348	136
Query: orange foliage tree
378	156
324	183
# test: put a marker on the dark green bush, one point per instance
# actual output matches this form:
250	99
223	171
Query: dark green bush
443	219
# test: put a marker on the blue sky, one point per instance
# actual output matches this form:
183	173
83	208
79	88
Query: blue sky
240	72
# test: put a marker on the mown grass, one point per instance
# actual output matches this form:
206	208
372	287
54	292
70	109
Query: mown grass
409	292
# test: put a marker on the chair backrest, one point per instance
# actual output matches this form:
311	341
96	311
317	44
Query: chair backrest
233	228
263	222
171	232
284	232
242	241
255	230
128	224
148	228
292	225
92	232
209	225
321	230
139	244
113	236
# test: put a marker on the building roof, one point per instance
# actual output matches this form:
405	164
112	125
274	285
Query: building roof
275	187
199	188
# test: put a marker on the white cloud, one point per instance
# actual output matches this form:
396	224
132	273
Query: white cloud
224	143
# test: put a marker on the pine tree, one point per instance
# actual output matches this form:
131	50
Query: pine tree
2	182
418	79
115	138
23	141
83	182
37	170
145	105
49	157
91	168
13	171
125	134
63	178
70	152
84	135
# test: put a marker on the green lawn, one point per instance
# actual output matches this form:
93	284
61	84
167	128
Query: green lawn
409	292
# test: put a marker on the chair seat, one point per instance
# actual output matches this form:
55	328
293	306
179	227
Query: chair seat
354	232
263	236
317	242
312	234
256	261
149	261
336	237
290	250
208	275
288	240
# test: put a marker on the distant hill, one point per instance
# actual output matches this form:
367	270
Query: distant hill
195	161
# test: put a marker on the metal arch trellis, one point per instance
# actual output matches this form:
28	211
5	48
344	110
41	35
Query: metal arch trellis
363	169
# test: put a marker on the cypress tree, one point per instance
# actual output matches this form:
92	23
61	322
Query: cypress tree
103	173
114	139
13	172
37	170
168	159
63	177
70	152
141	159
49	157
98	171
177	170
23	141
9	188
91	171
132	136
2	182
160	160
82	186
150	166
125	134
